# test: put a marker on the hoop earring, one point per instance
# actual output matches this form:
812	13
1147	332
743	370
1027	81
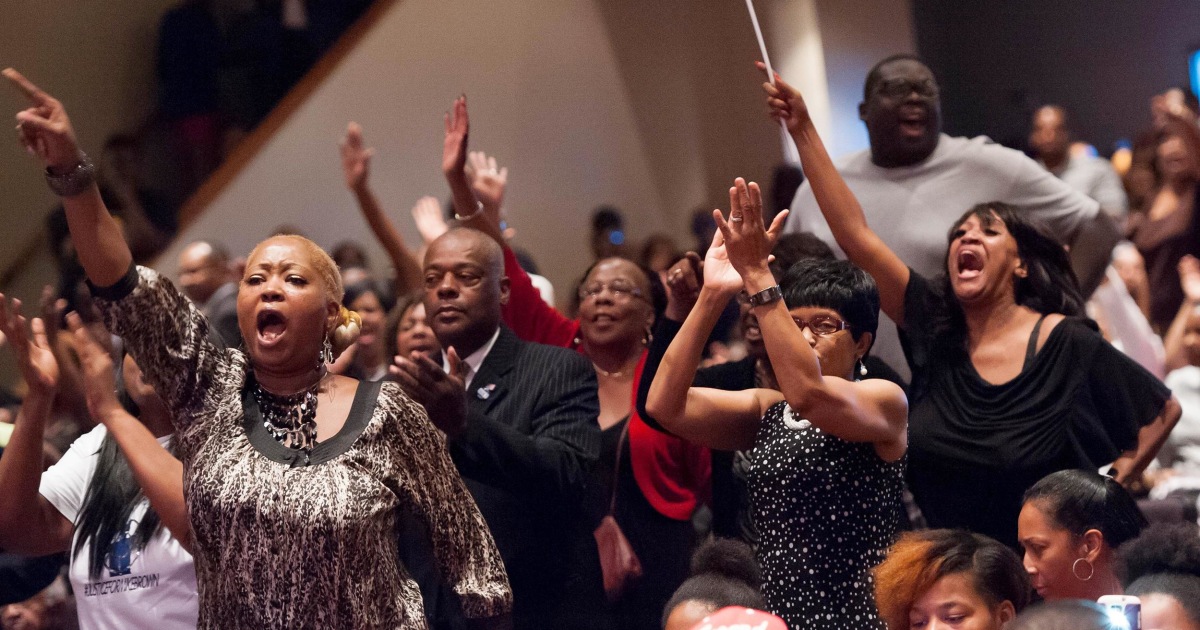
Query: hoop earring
647	337
1075	572
326	354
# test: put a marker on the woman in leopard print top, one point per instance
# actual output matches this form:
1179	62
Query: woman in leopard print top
282	537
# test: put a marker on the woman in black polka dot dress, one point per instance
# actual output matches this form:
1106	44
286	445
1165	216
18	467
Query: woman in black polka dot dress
828	450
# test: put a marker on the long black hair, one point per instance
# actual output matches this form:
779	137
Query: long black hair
1050	285
112	494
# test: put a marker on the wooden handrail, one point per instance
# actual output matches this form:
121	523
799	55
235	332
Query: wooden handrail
28	253
248	148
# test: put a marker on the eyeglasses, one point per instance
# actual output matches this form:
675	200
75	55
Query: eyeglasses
619	290
900	88
823	325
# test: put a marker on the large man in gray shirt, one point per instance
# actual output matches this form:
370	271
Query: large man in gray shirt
914	182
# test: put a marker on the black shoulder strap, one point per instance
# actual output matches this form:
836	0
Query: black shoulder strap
1031	349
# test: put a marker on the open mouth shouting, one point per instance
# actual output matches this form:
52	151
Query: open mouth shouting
969	263
270	325
914	121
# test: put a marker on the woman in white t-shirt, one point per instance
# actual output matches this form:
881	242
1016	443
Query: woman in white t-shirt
115	499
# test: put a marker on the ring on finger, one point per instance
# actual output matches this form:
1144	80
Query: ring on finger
736	219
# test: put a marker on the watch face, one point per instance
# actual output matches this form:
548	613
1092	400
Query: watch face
767	295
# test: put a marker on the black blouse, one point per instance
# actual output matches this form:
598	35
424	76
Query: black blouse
975	447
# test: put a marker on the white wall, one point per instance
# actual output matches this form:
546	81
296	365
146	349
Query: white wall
653	107
588	102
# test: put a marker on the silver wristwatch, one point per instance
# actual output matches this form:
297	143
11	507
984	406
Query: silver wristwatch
766	296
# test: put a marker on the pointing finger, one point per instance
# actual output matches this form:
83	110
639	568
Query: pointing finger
32	92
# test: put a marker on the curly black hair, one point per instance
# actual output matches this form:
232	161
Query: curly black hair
1164	560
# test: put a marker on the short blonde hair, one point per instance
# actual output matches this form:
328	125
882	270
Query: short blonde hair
330	276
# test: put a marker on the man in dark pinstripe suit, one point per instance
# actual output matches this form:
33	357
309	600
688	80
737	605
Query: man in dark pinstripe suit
520	420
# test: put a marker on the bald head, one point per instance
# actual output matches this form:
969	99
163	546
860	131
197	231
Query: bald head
465	288
203	268
485	251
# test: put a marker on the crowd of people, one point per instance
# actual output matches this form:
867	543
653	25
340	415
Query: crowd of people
939	391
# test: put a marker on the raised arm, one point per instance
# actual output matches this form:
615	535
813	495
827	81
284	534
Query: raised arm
873	411
45	131
839	206
477	190
725	420
356	166
29	524
468	209
1189	278
156	470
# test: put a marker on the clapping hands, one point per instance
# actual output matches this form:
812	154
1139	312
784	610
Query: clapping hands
743	242
443	394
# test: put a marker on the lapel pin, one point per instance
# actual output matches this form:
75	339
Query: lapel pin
485	392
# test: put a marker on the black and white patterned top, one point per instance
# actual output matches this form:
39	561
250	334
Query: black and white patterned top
827	510
284	546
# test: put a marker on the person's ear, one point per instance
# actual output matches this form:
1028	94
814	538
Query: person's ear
862	111
1005	613
333	315
864	344
504	290
1092	544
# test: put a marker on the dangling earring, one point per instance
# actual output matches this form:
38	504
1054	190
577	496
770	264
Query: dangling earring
862	368
647	337
326	355
1075	569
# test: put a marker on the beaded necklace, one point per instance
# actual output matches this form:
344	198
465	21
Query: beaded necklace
291	419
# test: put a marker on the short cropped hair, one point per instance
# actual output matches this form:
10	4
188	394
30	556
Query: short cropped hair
839	285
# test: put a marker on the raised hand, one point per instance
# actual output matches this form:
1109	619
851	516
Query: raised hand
785	102
431	223
34	357
719	274
356	157
683	281
487	182
96	368
443	394
454	148
1189	278
44	128
748	243
52	309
